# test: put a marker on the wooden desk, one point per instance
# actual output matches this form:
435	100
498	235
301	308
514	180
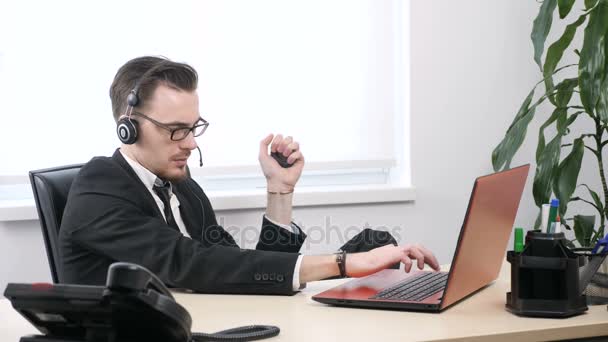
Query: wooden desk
481	317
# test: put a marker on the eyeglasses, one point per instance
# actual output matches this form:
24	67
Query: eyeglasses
180	133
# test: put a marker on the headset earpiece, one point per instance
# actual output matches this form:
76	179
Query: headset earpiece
126	128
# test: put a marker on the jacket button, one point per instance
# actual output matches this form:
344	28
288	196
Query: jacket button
272	276
257	276
280	278
265	276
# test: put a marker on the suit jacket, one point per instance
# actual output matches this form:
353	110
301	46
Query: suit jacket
110	216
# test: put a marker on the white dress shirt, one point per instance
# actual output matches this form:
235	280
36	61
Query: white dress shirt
148	178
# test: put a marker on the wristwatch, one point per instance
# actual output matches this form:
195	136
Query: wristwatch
341	261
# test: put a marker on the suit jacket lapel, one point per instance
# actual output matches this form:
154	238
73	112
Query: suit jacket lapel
190	209
117	156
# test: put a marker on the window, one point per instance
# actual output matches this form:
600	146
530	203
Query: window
329	73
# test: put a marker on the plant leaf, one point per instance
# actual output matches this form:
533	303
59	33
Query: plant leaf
564	91
592	59
538	218
598	234
523	109
596	198
571	119
546	166
515	135
561	121
602	103
563	96
541	28
583	229
601	107
564	7
541	132
556	51
564	181
504	152
590	3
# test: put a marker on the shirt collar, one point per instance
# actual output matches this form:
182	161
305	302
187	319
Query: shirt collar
145	175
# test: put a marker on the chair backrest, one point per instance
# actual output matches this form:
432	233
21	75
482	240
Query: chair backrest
51	188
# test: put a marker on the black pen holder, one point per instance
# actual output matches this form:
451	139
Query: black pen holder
545	278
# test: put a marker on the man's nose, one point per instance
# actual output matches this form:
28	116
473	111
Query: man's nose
189	142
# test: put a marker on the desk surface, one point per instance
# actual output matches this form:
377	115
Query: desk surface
481	317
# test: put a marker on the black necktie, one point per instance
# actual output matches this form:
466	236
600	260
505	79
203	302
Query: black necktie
163	191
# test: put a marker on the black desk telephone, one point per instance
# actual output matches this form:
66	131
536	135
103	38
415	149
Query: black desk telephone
133	306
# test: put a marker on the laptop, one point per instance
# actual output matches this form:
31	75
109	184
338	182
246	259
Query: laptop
478	257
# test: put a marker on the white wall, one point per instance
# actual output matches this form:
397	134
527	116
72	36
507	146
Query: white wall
471	67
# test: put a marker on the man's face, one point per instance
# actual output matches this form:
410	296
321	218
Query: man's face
154	148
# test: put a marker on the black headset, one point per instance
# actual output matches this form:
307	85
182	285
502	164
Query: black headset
126	127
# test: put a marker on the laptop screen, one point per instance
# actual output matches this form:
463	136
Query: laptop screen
485	233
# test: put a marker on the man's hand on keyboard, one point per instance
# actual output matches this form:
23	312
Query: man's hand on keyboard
366	263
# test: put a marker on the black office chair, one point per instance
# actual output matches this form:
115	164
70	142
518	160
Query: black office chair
51	188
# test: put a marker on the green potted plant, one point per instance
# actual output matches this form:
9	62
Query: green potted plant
575	92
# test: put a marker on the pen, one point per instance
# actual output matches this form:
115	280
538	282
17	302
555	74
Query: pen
518	240
601	246
544	216
552	214
557	226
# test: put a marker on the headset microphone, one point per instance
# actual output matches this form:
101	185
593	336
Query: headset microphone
200	156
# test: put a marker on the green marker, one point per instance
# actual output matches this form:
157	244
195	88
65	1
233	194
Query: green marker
518	241
552	214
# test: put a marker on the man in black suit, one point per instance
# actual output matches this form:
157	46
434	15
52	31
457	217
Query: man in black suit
141	205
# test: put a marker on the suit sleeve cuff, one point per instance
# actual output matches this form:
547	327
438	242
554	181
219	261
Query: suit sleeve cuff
276	238
291	228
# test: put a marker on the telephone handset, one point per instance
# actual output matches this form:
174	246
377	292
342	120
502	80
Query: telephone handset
124	276
133	306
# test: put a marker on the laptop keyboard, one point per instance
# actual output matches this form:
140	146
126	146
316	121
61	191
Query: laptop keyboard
416	288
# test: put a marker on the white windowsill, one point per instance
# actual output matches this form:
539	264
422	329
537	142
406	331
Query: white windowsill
19	210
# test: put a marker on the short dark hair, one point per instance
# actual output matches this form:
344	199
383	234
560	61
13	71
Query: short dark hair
156	70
